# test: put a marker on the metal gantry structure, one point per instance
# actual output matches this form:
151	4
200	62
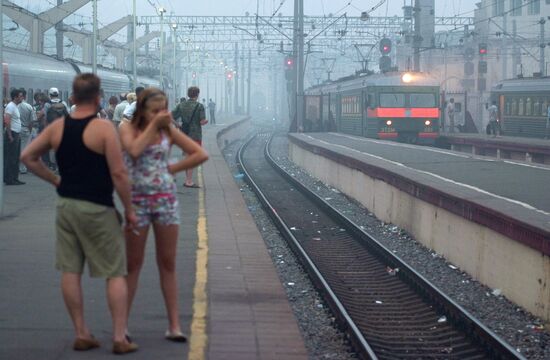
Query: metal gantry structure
309	40
200	43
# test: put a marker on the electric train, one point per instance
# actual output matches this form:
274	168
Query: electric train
402	106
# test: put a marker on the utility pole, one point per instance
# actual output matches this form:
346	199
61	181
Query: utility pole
275	73
2	109
542	46
293	83
515	49
94	39
504	47
243	89
207	88
249	81
147	44
161	64
134	44
216	99
227	84
416	38
59	36
236	79
174	71
300	68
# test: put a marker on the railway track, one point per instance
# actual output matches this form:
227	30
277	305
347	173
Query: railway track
388	310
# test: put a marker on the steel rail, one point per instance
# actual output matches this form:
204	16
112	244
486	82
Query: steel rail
496	348
357	338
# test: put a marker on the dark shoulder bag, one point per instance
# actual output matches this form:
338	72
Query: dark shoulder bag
186	125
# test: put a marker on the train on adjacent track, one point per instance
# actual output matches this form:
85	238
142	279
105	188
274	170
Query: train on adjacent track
523	106
38	73
402	106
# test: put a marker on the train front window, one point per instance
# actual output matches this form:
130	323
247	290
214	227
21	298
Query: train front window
388	100
424	100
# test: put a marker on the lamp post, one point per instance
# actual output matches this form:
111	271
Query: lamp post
161	11
94	38
134	44
175	76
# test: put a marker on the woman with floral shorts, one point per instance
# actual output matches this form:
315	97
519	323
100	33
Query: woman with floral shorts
146	141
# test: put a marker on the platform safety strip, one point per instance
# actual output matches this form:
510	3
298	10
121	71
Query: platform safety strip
198	337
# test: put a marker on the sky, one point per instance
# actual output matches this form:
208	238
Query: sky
110	10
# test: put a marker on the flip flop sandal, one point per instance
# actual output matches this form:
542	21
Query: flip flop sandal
176	336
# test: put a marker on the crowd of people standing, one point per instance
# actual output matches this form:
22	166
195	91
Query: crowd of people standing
94	158
25	121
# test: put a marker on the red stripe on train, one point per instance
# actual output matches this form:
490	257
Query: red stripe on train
428	135
388	135
403	112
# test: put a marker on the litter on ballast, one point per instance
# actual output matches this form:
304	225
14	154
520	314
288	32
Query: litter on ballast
391	271
442	319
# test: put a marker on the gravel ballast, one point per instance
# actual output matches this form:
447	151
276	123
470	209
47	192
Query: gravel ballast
523	331
322	337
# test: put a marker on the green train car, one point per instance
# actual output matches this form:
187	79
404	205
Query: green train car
402	106
523	106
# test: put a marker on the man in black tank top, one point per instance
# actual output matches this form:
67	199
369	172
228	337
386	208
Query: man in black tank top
88	230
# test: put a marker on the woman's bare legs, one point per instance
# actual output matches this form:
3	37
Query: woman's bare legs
135	253
166	240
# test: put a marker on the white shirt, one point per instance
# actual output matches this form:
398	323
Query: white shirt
26	114
493	112
130	110
451	109
13	111
119	110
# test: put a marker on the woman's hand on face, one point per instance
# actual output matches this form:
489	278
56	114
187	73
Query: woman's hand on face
163	119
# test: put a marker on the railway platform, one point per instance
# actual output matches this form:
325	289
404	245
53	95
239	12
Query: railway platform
231	301
489	217
502	147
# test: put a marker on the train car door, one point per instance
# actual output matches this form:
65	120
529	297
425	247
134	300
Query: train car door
364	108
334	112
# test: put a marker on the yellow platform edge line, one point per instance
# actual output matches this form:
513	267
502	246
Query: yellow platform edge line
199	339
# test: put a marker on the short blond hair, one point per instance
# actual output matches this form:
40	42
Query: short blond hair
131	97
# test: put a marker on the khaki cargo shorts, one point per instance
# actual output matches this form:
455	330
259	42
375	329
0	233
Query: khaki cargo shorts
92	233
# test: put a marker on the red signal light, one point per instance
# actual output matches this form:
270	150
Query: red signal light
289	62
229	75
482	49
385	46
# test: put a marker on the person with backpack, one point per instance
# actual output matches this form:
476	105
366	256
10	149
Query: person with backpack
193	117
53	110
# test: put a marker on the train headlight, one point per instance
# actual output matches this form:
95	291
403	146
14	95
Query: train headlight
407	77
427	122
389	122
